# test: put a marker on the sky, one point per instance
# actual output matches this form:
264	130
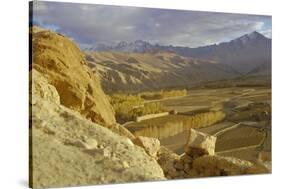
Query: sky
89	24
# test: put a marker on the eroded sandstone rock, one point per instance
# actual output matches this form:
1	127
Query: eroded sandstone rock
41	88
166	160
61	62
222	166
69	150
96	155
150	145
199	144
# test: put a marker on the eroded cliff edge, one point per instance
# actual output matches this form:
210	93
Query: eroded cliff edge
68	145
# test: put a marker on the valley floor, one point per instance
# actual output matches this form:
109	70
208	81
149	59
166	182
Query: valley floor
244	132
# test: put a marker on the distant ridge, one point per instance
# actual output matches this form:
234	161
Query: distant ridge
243	53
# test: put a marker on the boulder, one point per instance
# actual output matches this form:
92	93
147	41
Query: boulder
199	144
264	159
63	65
150	145
167	159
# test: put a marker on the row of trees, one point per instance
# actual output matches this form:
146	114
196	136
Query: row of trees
163	94
128	106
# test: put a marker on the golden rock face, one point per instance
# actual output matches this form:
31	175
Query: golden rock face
61	62
69	150
41	88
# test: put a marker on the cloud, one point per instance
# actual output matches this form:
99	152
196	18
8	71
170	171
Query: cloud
89	24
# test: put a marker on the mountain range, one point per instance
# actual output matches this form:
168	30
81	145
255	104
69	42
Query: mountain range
244	54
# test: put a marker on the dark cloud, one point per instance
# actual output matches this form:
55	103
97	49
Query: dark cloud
89	24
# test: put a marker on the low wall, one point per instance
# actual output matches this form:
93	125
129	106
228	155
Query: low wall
170	125
151	116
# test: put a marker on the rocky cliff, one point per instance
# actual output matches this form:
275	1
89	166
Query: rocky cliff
61	62
68	150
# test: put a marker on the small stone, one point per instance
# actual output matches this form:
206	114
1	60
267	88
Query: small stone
77	143
186	175
168	177
186	159
102	178
49	131
102	152
150	145
173	173
179	165
106	152
129	142
84	138
91	144
186	167
43	123
125	164
181	174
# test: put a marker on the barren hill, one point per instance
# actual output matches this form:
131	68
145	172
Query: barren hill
158	70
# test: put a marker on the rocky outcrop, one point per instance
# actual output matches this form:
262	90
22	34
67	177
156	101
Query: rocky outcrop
69	150
206	166
40	88
61	62
167	160
199	143
150	145
200	161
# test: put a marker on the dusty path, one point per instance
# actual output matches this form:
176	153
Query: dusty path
227	129
238	149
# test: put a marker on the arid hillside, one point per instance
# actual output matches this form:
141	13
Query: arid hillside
150	71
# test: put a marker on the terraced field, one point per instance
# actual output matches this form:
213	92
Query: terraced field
239	137
243	132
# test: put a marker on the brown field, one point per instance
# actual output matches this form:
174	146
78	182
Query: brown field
243	133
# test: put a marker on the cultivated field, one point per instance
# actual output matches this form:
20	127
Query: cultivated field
243	132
